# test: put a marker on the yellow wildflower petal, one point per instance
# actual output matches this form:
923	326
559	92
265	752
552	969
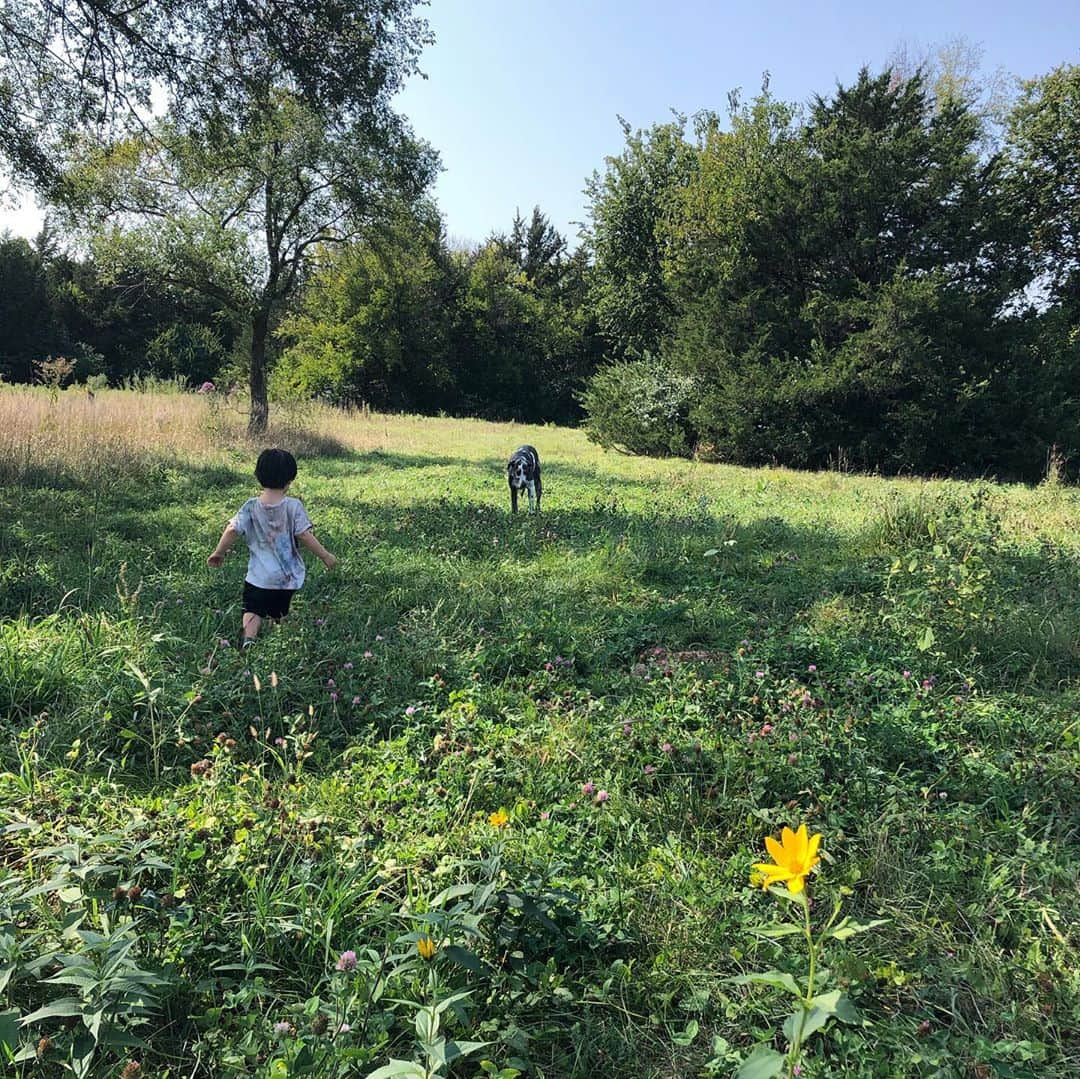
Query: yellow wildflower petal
796	884
811	850
767	869
801	842
787	837
774	849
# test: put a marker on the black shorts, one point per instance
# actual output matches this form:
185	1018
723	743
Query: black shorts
267	602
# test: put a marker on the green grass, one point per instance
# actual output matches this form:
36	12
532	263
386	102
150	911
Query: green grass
505	662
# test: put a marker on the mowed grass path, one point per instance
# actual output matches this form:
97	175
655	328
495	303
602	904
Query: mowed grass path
722	651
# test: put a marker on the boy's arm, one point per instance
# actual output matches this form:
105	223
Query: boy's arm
307	539
228	538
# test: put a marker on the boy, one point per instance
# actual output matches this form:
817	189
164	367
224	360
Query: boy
272	525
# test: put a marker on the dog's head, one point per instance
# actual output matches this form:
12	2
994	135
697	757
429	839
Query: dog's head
517	471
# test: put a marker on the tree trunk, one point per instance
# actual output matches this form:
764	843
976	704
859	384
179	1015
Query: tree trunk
260	405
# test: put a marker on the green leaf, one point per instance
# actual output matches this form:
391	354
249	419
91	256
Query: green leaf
464	958
398	1067
456	891
454	1050
926	641
65	1006
454	998
92	1021
774	931
845	1011
782	893
114	1037
762	1063
9	1031
82	1053
822	1008
687	1037
848	928
427	1025
776	978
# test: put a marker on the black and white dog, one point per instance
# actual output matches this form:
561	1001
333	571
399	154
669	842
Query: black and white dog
523	474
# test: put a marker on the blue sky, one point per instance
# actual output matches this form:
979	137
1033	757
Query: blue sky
522	96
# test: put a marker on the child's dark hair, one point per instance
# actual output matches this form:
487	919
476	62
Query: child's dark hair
275	469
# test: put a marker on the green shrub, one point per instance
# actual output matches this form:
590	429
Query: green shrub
639	406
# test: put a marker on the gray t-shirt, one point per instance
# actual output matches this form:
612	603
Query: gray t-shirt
270	533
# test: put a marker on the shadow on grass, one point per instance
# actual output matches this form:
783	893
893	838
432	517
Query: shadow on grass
677	577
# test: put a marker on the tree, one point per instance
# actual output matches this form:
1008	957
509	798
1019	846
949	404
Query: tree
26	324
1043	178
537	248
277	138
723	196
376	323
858	313
953	71
92	65
628	235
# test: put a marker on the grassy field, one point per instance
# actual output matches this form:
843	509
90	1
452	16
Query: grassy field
551	746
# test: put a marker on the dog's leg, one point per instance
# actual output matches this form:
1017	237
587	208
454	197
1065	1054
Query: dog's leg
513	499
531	488
539	490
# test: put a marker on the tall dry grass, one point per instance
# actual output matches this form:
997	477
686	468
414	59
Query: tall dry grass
72	438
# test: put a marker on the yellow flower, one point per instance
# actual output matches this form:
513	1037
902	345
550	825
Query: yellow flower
795	856
500	819
427	948
258	684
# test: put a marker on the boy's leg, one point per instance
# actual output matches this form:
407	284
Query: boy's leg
252	625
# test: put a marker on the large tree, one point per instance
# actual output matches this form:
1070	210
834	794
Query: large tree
628	234
276	135
1043	178
858	313
95	64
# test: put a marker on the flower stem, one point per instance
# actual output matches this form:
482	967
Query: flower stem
796	1044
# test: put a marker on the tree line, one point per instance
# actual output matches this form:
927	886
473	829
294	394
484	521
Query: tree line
861	282
886	277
